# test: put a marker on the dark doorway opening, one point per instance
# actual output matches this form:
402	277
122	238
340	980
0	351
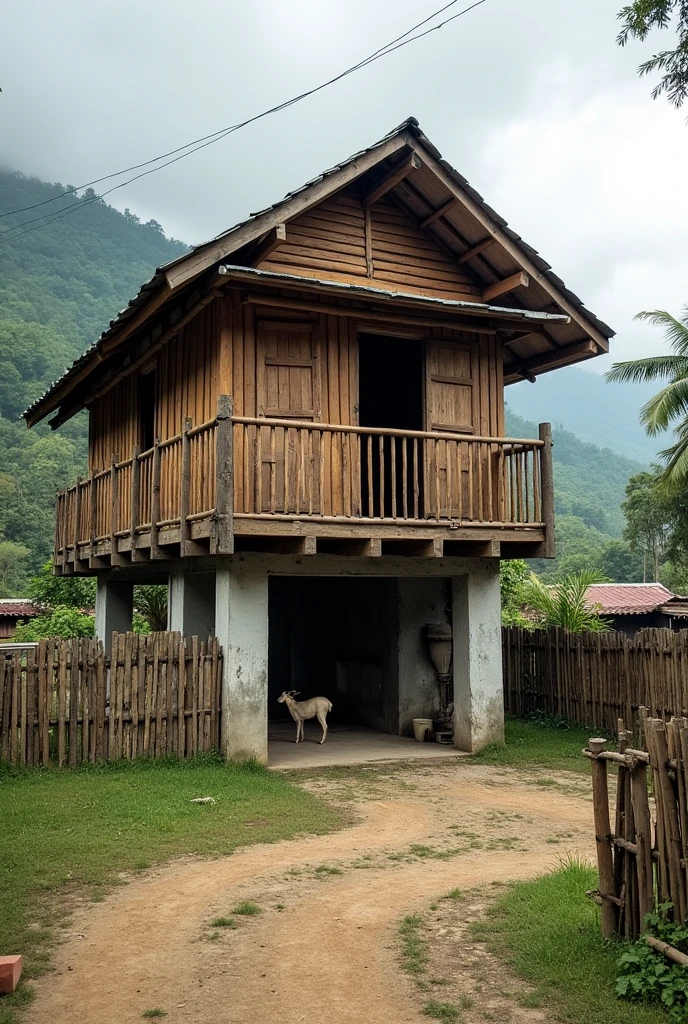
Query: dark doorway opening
390	373
147	402
335	637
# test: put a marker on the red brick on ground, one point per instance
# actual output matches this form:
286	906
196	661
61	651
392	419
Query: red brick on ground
10	973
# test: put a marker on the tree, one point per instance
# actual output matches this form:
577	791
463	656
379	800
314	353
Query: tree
620	564
670	405
513	575
151	604
564	604
648	520
638	20
61	622
48	591
13	559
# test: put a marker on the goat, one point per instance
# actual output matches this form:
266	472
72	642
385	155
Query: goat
301	710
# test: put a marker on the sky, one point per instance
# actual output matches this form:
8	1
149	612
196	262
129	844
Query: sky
531	100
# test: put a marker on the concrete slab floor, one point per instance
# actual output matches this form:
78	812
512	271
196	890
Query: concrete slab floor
345	746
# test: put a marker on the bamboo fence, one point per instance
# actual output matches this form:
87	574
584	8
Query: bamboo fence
643	860
594	679
63	702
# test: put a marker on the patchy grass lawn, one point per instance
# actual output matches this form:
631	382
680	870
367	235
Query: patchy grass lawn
541	745
71	833
548	932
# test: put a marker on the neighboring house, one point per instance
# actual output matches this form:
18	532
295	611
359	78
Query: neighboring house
12	609
634	606
300	426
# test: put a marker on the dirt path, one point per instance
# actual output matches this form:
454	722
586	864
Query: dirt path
324	946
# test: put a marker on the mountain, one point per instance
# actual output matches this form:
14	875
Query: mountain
595	411
589	482
60	285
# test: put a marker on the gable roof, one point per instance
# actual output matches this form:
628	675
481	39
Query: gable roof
17	608
629	598
444	204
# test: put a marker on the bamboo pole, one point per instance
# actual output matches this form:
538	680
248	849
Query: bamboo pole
600	799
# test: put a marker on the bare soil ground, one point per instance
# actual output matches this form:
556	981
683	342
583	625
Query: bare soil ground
325	945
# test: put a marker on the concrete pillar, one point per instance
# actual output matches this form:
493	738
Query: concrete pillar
114	609
420	601
477	656
241	626
191	603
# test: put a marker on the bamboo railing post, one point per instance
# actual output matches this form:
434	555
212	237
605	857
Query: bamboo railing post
547	484
185	490
224	478
93	519
77	519
672	835
155	553
643	840
135	499
605	864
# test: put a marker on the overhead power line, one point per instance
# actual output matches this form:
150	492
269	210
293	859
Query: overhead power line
181	152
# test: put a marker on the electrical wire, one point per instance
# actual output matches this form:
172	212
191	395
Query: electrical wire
193	147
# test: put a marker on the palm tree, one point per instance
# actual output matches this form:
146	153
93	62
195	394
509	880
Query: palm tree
671	403
564	604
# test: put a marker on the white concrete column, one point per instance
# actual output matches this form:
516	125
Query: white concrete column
191	603
477	656
241	626
114	609
420	601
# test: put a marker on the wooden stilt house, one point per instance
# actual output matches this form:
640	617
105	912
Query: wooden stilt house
320	391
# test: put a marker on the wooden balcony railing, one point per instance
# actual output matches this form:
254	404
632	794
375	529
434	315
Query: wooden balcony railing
198	488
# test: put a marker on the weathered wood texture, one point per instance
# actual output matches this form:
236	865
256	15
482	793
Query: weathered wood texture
643	860
329	242
596	678
64	702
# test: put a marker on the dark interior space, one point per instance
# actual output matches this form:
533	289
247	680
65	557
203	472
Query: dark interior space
147	394
390	372
335	638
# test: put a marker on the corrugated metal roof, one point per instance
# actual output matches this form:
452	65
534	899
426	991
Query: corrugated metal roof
628	598
17	607
411	126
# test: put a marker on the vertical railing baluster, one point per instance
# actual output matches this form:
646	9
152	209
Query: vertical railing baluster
369	463
404	479
416	480
381	459
393	460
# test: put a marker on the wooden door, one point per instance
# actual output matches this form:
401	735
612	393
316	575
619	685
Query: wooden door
451	405
288	387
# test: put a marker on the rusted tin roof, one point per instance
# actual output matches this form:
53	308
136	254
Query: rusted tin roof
630	598
17	608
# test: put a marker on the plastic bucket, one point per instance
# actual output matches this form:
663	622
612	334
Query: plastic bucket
421	727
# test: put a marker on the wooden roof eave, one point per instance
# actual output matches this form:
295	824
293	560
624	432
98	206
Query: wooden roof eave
514	250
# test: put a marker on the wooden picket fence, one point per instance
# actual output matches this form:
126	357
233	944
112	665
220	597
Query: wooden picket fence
643	861
63	702
594	679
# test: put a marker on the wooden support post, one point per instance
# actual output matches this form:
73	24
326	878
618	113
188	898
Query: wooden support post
185	491
136	555
155	551
223	543
93	519
600	801
547	484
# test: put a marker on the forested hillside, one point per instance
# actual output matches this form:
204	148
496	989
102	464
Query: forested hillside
60	285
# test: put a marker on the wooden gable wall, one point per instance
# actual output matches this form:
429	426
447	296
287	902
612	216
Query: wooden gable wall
334	242
281	362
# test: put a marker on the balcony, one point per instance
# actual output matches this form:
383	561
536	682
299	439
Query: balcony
243	483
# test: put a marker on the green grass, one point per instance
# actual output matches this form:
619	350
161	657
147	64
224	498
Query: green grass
544	746
548	932
223	922
247	909
441	1011
67	833
155	1012
414	953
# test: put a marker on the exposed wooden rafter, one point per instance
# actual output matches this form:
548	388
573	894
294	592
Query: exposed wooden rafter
439	212
517	280
549	360
267	245
392	178
476	249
